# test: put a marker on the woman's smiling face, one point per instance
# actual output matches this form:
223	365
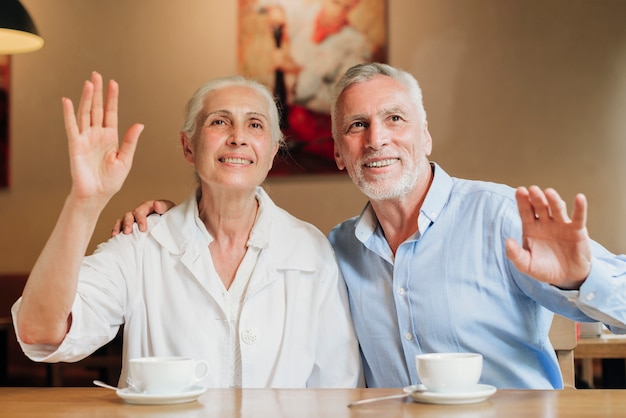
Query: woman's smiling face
233	144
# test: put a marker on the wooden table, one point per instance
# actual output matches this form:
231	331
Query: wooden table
310	403
605	346
6	324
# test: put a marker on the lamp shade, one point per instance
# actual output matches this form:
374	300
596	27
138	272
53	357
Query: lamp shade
18	33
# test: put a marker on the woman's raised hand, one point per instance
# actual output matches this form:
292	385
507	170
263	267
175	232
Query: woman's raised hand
99	163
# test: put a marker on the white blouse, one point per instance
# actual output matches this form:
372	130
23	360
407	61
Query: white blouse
289	325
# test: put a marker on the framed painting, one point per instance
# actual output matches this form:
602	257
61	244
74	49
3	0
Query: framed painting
4	119
299	49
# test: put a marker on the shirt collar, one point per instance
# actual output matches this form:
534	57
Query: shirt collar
436	199
176	233
259	235
438	194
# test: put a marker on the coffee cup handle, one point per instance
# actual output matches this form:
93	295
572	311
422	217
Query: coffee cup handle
205	372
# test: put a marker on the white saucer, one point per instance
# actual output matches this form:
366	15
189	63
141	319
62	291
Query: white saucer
160	399
474	395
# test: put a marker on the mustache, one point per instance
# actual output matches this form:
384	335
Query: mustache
375	155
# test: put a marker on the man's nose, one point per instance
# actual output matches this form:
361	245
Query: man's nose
378	135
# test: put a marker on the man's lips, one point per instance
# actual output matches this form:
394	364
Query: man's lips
381	163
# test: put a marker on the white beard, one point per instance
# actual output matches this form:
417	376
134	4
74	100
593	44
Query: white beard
386	188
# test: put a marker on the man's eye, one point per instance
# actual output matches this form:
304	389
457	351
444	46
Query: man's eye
218	122
355	127
256	125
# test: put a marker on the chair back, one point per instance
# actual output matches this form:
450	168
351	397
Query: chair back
564	341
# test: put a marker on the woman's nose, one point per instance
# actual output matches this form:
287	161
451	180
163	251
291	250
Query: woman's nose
237	137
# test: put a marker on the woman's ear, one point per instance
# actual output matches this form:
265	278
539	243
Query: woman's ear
274	152
187	147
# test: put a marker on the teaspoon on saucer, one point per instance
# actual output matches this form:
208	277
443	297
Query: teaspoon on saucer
104	385
414	389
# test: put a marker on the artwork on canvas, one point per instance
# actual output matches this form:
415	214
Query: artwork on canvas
299	49
4	120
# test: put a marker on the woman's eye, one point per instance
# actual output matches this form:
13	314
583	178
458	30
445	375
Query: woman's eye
256	125
215	122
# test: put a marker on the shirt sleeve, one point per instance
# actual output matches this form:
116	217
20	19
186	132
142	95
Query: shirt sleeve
602	296
98	308
76	345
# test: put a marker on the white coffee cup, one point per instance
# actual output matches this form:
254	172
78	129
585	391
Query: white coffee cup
449	372
164	375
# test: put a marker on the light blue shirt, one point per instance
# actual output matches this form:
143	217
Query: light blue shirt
451	288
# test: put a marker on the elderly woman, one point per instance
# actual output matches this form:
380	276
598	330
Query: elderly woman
227	276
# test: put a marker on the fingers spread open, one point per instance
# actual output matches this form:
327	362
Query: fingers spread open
518	256
539	203
129	143
110	115
96	105
579	215
71	128
558	208
83	117
526	210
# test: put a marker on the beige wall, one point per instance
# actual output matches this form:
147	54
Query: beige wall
517	91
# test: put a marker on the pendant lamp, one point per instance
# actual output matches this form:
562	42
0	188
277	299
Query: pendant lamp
18	33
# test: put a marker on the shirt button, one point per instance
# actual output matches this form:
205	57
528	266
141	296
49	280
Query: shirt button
408	336
590	296
250	336
401	291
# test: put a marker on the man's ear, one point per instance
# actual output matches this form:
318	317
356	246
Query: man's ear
428	140
338	159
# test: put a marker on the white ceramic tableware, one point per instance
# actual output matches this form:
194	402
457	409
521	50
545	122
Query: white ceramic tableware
189	395
165	375
449	372
478	394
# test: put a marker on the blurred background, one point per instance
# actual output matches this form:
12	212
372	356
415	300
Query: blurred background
516	91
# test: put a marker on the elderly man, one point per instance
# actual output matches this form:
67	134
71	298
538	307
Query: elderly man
432	263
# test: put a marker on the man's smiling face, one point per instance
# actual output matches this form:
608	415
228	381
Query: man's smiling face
380	140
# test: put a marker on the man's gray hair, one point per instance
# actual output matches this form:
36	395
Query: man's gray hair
365	72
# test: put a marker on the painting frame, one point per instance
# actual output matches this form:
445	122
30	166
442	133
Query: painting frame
299	49
5	85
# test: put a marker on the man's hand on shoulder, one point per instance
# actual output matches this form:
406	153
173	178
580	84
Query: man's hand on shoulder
140	215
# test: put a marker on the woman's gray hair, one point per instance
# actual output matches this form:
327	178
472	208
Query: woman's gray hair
196	104
365	72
